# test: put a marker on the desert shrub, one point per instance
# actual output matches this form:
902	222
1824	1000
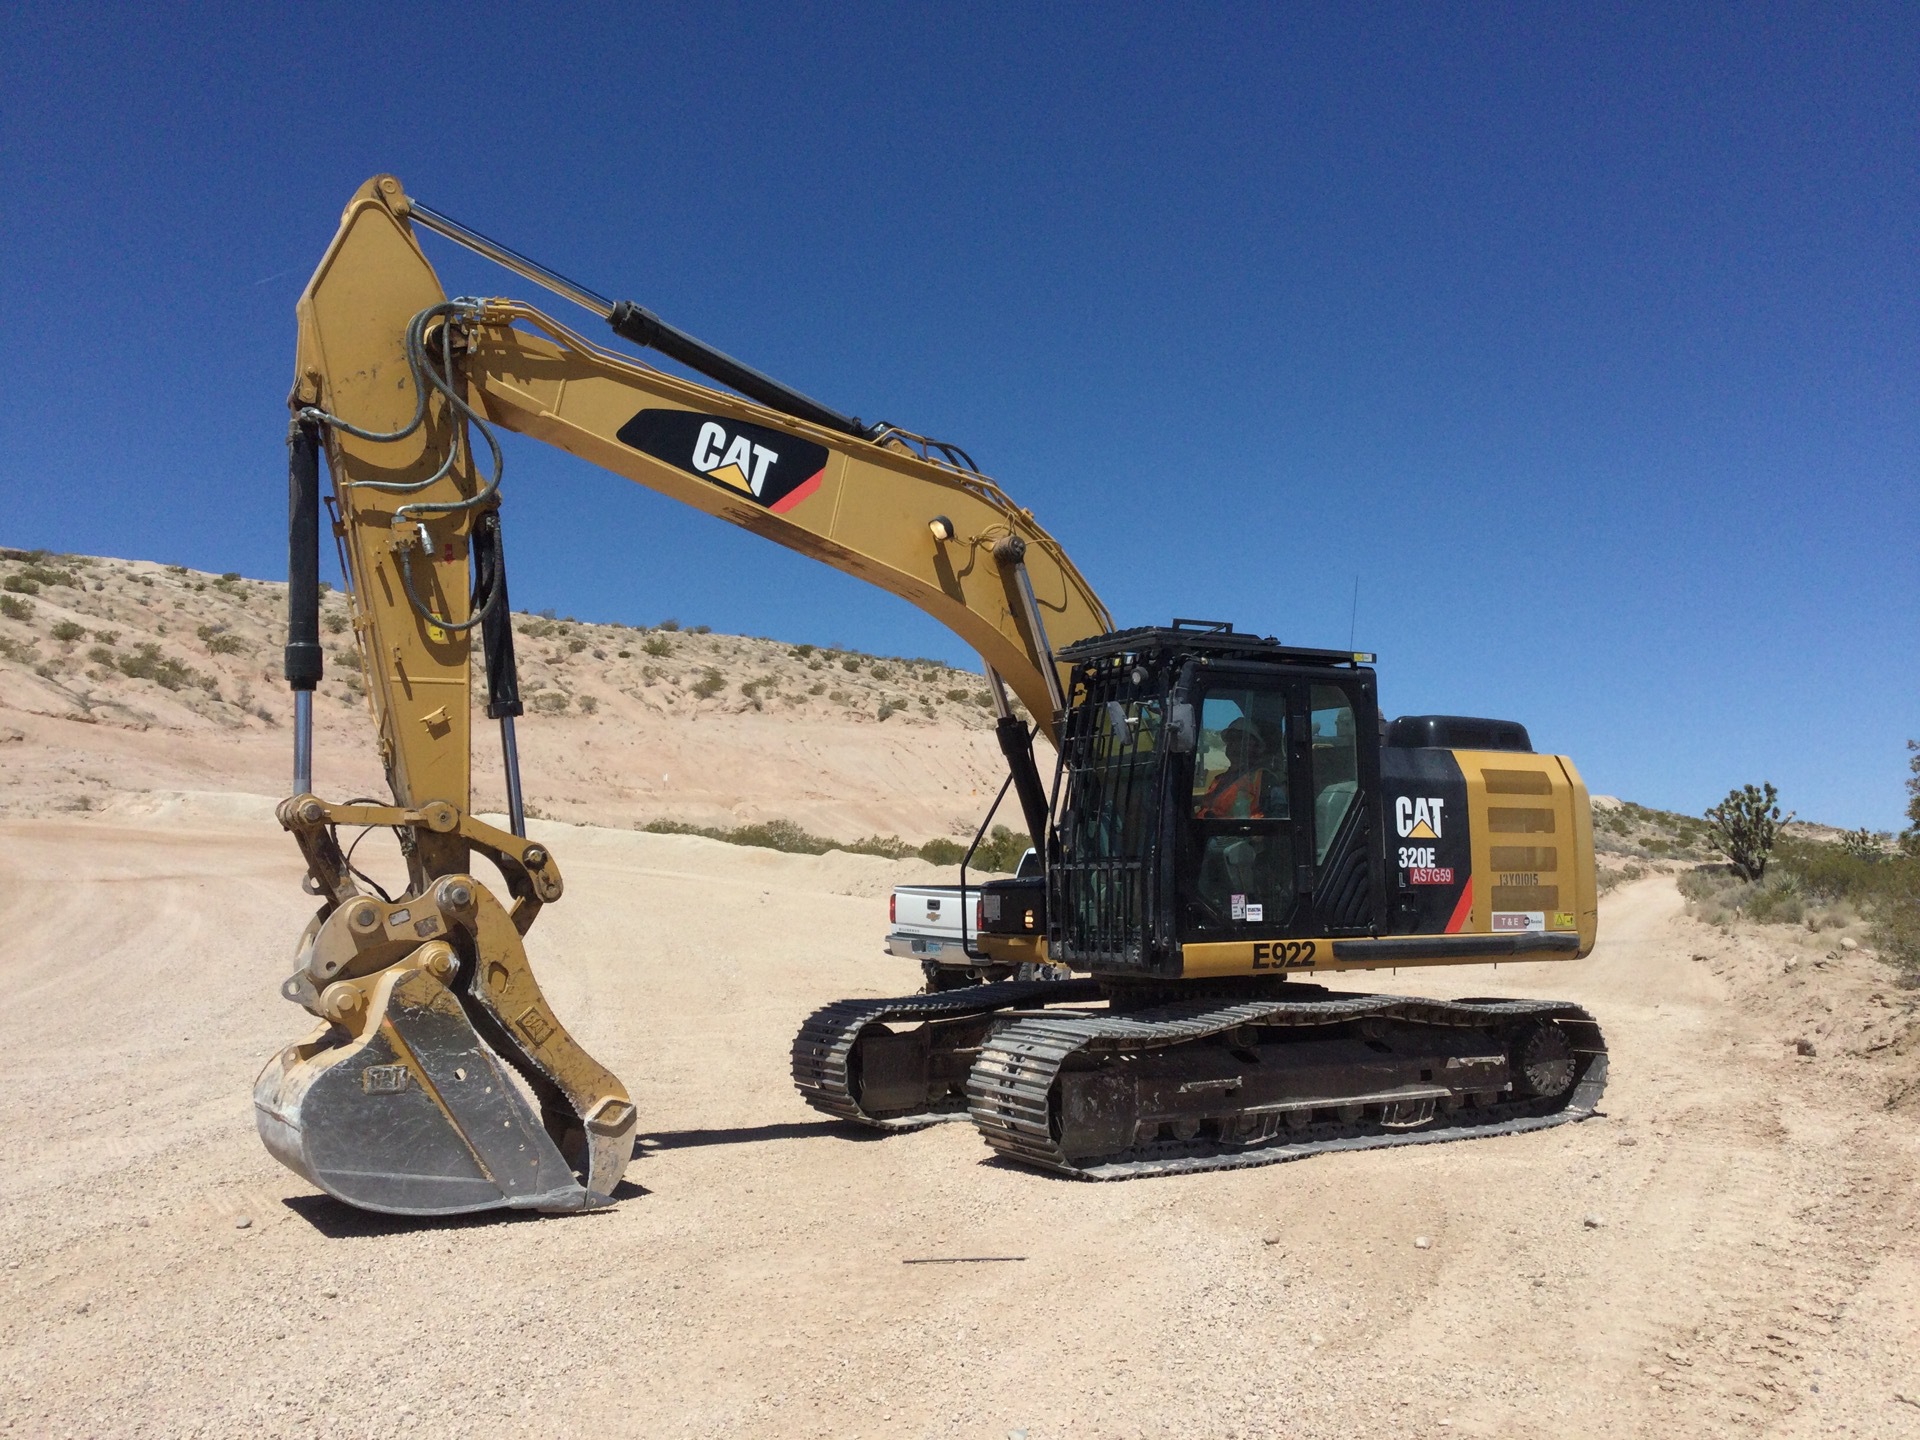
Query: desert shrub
176	569
669	624
1896	918
1776	902
881	672
145	662
220	641
943	852
959	696
1883	887
101	655
576	645
336	622
623	654
588	704
67	630
15	608
658	645
701	630
20	585
709	684
17	651
1610	880
781	835
46	575
850	664
819	687
801	652
107	637
791	839
550	702
838	697
1828	872
1001	850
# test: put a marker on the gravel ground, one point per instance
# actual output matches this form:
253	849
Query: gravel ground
1732	1249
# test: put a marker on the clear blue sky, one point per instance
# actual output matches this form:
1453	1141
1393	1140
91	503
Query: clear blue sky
1584	337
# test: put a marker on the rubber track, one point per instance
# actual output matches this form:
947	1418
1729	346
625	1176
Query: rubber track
1009	1091
821	1048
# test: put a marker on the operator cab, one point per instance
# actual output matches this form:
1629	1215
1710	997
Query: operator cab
1212	786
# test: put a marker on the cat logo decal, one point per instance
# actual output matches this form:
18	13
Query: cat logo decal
769	466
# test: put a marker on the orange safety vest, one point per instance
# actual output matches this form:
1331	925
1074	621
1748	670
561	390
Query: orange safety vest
1239	800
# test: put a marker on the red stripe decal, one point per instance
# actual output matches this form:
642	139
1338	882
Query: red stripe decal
800	492
1463	909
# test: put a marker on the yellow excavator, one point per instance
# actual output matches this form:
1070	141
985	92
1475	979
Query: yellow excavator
1227	813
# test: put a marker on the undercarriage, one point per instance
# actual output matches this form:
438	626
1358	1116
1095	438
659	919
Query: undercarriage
1071	1078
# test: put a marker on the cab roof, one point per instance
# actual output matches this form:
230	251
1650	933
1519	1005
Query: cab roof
1216	638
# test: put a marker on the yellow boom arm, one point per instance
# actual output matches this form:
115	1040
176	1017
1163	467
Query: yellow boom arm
398	1102
945	538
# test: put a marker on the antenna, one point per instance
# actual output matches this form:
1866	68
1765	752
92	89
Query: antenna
1353	620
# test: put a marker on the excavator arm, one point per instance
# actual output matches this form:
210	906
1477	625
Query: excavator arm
399	1101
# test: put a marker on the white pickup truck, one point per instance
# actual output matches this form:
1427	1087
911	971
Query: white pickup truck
940	927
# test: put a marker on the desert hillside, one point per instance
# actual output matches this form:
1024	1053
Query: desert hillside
119	677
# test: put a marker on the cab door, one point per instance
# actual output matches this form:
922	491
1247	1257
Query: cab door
1238	847
1340	874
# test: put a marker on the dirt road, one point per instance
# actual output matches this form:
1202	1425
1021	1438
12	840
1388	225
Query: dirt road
1754	1268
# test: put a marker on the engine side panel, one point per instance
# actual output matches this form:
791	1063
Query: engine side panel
1429	840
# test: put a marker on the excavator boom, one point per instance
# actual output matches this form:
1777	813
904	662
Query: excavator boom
439	1079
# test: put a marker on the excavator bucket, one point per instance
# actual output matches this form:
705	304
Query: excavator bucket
413	1115
441	1082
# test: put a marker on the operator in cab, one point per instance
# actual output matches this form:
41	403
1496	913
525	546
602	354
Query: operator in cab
1254	784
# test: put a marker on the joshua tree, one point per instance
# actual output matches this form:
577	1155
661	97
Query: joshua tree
1744	826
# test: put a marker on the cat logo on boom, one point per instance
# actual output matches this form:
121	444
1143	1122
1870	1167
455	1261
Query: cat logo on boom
768	466
1418	818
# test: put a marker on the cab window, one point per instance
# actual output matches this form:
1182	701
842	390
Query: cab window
1336	764
1240	765
1239	855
